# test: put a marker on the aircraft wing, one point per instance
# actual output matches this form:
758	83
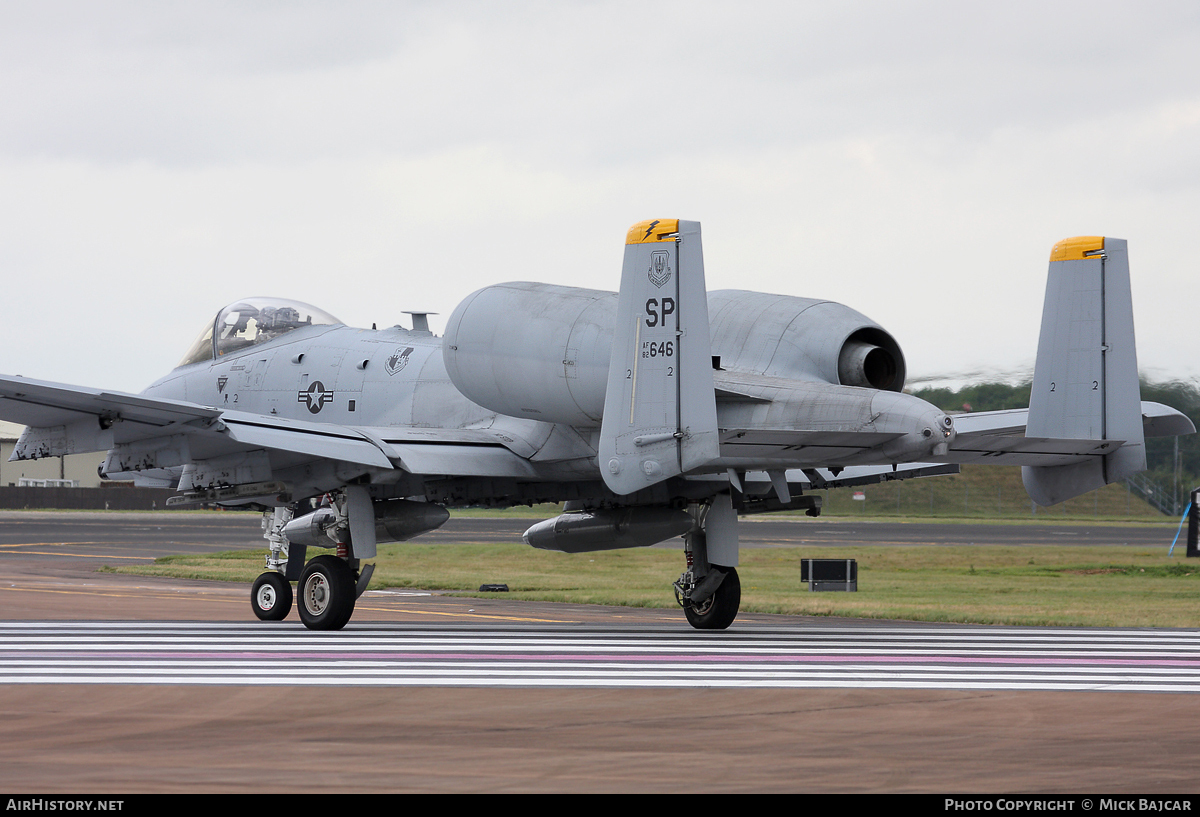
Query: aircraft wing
998	437
427	451
148	435
39	404
461	452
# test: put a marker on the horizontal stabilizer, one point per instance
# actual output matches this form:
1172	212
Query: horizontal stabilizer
999	437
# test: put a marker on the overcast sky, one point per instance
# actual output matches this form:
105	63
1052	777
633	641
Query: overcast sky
915	161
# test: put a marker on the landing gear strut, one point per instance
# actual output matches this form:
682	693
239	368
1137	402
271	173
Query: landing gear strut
326	587
271	595
719	610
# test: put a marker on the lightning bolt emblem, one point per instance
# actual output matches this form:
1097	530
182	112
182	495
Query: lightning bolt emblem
650	229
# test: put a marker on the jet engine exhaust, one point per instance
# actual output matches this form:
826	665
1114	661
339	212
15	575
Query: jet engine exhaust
869	365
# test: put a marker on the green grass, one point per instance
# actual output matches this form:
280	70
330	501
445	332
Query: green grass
544	511
982	492
1076	586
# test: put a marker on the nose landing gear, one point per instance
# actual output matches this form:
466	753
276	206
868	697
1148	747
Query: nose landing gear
271	597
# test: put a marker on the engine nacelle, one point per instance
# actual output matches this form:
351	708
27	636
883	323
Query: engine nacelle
542	351
533	350
803	338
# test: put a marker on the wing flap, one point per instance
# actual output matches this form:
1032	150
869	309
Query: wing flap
461	460
318	440
851	475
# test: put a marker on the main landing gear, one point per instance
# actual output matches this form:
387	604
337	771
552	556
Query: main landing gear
718	610
709	590
326	587
324	597
327	594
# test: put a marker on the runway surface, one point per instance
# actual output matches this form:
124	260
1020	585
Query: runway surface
885	656
118	684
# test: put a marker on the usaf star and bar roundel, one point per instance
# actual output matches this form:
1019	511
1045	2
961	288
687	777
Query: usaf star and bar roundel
316	396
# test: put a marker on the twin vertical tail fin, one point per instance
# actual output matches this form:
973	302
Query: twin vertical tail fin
1085	381
660	411
660	417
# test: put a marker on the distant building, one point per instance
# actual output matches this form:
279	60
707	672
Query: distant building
75	470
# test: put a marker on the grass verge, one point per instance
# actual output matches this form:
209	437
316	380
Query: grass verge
1076	586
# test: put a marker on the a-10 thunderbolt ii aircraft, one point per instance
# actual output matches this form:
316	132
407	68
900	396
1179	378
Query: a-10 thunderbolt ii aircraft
659	411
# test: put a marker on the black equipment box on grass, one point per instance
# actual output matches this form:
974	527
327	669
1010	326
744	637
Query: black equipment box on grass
830	574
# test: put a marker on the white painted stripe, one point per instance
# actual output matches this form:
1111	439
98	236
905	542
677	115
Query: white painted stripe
85	654
461	646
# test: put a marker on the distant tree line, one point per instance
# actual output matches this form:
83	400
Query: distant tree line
1160	451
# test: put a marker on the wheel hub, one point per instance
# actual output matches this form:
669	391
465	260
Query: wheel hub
316	594
266	597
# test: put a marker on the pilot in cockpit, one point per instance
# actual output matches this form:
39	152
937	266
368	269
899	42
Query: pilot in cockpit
251	322
240	328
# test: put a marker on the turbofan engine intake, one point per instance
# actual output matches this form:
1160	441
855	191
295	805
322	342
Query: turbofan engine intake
533	350
542	352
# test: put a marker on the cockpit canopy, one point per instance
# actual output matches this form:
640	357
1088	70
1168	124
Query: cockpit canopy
252	321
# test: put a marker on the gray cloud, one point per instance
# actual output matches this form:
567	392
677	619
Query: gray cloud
915	160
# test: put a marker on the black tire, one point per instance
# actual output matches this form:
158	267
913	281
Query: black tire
325	593
271	597
719	611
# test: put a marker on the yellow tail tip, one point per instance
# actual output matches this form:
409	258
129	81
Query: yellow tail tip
652	230
1074	249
